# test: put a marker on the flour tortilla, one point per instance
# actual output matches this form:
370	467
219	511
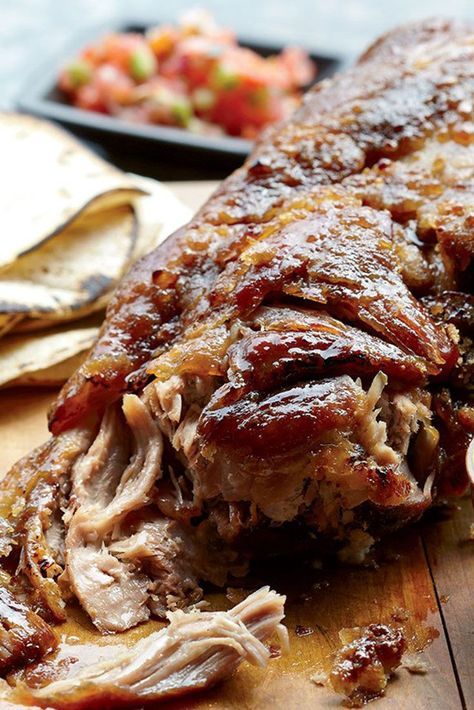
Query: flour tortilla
159	213
70	272
53	376
31	325
43	358
50	178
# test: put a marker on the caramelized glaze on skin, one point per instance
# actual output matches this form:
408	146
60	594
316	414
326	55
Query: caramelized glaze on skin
283	421
24	636
385	107
259	360
364	664
31	497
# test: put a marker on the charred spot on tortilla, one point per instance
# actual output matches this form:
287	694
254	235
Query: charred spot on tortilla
70	272
113	198
9	308
95	285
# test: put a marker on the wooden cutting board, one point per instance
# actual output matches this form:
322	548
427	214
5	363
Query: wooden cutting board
427	571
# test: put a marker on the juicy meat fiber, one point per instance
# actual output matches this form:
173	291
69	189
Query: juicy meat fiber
103	494
194	652
292	368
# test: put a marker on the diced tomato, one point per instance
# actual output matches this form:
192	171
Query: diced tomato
194	60
114	84
241	110
90	98
119	47
300	68
94	54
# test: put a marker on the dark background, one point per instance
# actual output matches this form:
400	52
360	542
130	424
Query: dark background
35	32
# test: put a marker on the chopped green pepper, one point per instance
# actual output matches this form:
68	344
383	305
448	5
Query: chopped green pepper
79	73
224	77
182	111
143	64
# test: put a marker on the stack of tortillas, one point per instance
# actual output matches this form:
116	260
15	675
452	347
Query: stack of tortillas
71	225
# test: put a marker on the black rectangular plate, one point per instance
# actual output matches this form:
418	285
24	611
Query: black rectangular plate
41	97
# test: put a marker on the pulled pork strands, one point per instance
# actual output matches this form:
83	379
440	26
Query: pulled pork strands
195	651
291	369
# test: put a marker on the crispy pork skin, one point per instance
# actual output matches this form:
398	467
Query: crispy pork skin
195	651
296	363
32	495
393	106
24	636
363	666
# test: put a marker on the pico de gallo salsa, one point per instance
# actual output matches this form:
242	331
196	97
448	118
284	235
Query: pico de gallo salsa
193	75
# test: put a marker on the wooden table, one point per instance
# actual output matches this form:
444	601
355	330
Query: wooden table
428	571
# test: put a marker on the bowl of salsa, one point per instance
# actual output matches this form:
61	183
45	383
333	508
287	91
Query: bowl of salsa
187	86
193	75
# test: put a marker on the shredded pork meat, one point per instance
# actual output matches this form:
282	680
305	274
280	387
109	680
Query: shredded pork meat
111	592
195	651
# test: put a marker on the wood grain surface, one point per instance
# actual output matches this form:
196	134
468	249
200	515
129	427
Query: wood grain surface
427	571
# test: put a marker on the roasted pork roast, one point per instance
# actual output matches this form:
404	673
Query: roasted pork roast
291	370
